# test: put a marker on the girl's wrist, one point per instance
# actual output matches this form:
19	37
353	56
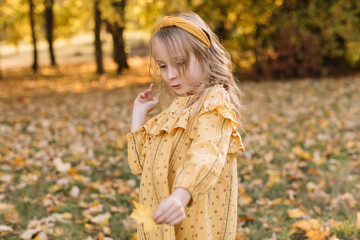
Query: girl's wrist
183	195
138	119
139	112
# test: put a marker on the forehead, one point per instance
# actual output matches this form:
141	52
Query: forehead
164	51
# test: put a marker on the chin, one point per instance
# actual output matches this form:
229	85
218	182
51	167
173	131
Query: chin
180	92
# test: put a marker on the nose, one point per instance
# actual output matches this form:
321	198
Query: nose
172	73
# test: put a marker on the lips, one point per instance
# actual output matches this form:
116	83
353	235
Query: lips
175	86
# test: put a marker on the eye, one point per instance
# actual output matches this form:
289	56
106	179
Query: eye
162	66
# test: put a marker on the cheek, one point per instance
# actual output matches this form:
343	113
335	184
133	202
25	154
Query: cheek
164	78
162	75
193	74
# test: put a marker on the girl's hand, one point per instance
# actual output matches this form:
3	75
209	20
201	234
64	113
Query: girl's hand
171	210
145	101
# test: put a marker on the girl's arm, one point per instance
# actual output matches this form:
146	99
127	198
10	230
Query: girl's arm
138	119
143	104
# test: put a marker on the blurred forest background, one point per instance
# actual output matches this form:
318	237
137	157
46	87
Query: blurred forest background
71	69
267	39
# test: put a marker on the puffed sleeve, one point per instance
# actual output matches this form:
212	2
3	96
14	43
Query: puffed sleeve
136	142
208	151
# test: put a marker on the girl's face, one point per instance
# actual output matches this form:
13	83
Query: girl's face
169	70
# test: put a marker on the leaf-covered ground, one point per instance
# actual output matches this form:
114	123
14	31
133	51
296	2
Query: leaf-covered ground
63	162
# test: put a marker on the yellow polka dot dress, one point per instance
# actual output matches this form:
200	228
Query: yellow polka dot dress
193	152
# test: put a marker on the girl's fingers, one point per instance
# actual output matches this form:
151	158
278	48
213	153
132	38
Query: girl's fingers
163	217
164	208
151	88
176	220
175	217
168	211
157	96
146	92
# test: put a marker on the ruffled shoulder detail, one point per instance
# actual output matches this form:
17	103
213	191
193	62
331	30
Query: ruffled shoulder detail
169	119
219	99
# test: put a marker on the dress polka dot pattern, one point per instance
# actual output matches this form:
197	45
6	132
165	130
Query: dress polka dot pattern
193	152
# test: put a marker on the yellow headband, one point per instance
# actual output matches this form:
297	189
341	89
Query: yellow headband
188	26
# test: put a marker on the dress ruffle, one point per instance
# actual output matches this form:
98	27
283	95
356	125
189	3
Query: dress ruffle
169	119
217	99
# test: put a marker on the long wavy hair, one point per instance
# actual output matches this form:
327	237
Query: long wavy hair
215	61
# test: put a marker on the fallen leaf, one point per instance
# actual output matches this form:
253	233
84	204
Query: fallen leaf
317	234
295	213
29	233
61	166
301	152
66	215
101	219
5	229
274	177
307	225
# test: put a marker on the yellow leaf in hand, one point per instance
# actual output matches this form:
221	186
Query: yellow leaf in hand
358	220
143	215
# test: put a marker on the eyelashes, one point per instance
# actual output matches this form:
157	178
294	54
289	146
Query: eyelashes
179	63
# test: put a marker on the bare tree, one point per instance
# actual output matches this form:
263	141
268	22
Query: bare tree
32	24
98	50
49	26
116	30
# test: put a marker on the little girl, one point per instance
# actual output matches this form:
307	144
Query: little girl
186	155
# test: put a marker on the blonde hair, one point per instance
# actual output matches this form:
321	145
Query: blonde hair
215	61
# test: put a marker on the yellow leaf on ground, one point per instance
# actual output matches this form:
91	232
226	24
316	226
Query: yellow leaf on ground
324	123
307	225
143	215
295	213
274	177
276	201
66	215
317	234
301	152
58	232
244	199
102	219
19	161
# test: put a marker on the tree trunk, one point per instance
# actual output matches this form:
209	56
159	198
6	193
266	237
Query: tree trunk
116	32
32	24
119	54
49	25
98	50
122	54
0	62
